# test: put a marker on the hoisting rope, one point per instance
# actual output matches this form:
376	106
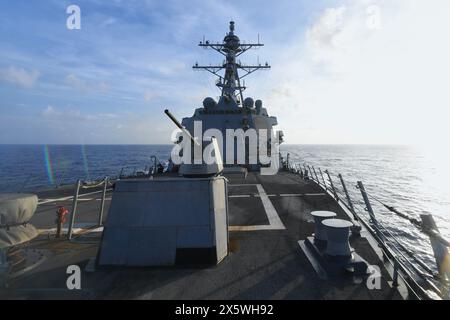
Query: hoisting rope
426	277
410	253
392	209
417	223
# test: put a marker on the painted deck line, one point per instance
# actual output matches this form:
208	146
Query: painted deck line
269	195
253	228
275	222
291	195
272	215
240	196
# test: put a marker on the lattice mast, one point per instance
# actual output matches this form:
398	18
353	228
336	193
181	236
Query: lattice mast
231	48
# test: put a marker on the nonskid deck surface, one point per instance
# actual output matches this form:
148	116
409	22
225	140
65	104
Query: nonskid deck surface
267	214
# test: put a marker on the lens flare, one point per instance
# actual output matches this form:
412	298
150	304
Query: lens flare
48	165
85	162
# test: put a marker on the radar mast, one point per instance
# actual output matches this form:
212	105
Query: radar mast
230	82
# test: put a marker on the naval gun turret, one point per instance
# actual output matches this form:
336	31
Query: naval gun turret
173	220
200	162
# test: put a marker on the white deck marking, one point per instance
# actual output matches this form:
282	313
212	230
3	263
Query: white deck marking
269	195
252	228
275	222
293	195
240	196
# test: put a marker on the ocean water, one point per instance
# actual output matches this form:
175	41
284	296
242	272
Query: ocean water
31	167
412	180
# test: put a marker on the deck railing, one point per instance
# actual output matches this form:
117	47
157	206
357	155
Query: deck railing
420	278
105	186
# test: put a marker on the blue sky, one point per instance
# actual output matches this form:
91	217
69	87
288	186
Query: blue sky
110	81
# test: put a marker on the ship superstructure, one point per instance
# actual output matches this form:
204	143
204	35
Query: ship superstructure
232	111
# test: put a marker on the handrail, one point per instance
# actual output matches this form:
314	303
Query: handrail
89	185
79	184
388	242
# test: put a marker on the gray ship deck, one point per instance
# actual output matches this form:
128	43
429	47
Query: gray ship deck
265	260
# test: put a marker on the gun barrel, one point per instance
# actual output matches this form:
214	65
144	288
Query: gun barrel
174	120
178	124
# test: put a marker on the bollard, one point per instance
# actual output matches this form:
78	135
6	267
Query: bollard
338	232
320	234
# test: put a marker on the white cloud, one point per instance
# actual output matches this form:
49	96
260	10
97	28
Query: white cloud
74	82
349	83
103	127
150	96
19	76
51	113
323	34
168	68
84	86
107	22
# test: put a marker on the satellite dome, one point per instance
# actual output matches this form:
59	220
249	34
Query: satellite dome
209	103
248	102
258	104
